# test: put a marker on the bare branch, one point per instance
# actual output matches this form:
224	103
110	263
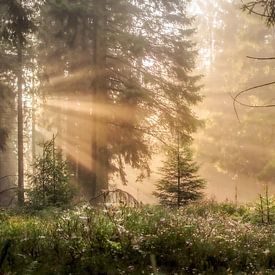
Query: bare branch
250	10
260	58
235	98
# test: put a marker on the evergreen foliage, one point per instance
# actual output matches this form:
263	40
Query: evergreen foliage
180	183
145	64
50	179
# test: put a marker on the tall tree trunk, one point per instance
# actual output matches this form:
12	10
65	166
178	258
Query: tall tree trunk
33	129
178	174
100	97
20	124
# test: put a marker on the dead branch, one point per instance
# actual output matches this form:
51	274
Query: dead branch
235	98
260	58
251	10
127	196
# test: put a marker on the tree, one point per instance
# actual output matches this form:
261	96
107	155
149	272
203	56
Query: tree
17	24
50	179
125	71
180	183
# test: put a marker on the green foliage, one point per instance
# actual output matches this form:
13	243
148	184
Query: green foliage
148	64
127	241
180	183
50	179
17	21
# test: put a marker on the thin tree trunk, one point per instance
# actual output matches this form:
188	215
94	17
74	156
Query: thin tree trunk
20	124
267	204
33	129
178	176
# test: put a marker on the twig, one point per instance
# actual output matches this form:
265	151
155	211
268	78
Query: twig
245	6
260	58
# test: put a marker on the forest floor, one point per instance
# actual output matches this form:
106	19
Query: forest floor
202	238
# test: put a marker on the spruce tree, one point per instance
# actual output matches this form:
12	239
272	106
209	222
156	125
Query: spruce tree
128	68
180	183
50	180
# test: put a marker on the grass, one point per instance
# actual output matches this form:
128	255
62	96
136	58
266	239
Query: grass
204	238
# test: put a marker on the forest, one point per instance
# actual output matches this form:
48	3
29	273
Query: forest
137	137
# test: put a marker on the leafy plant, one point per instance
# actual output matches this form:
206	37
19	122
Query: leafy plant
140	240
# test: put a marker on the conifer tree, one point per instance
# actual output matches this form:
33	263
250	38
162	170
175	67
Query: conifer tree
50	179
180	183
16	25
130	67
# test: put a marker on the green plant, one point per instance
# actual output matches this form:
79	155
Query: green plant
180	183
50	179
265	208
139	240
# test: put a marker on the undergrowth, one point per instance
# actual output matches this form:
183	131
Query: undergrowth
204	238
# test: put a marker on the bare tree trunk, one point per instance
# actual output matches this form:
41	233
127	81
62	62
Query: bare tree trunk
33	129
20	124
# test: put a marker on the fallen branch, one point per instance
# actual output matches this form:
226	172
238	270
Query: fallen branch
120	192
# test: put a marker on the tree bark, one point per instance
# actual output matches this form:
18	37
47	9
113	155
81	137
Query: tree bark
100	97
20	125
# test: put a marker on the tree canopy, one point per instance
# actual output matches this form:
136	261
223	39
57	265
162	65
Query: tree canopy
131	68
